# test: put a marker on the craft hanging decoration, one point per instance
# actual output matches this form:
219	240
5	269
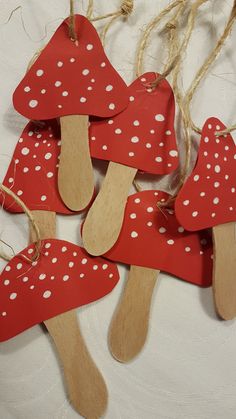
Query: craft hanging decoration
63	278
152	241
208	199
140	138
72	80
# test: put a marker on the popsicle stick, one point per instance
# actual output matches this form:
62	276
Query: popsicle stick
86	387
75	175
105	217
224	274
129	327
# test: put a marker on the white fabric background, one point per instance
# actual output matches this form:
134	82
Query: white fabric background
187	369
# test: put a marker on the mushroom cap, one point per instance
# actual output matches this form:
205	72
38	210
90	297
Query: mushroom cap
208	197
65	277
154	239
32	173
71	78
143	135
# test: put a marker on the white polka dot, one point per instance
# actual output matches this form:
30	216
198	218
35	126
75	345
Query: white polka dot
208	166
133	216
187	249
89	47
92	80
71	264
52	277
216	184
134	234
206	139
109	88
152	131
104	266
65	277
213	214
103	64
27	89
134	139
84	261
137	200
33	103
131	98
205	153
19	193
39	72
83	99
195	213
95	267
159	117
216	201
118	131
6	282
58	83
143	79
217	127
43	198
170	242
72	60
47	294
37	168
65	93
42	276
81	275
148	145
85	72
217	168
31	287
49	175
196	178
226	177
158	159
93	138
10	180
54	260
232	190
173	153
47	245
13	296
19	266
25	279
231	208
104	147
209	126
202	194
112	106
25	151
131	154
136	123
75	254
111	275
150	209
4	313
149	224
162	230
168	132
216	155
48	156
8	268
110	122
186	202
180	229
59	64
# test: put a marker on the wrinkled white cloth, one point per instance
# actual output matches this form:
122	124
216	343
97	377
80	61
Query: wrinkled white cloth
187	368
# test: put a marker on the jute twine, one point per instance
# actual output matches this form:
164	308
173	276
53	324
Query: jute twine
37	245
125	10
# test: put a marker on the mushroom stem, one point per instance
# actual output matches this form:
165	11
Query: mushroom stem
129	327
224	271
86	387
105	217
75	175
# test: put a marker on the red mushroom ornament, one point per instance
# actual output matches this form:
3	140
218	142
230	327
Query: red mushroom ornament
208	199
64	277
142	137
32	176
152	241
72	80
